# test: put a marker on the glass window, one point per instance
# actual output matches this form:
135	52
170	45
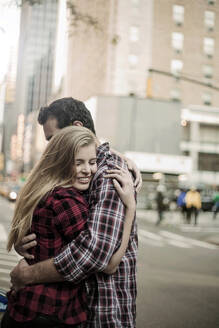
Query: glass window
134	33
175	94
177	41
209	46
207	71
176	66
133	61
209	19
207	98
135	2
178	14
211	2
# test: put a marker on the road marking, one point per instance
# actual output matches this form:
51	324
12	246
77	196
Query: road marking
5	270
10	263
151	242
187	240
186	228
168	238
178	243
150	235
3	234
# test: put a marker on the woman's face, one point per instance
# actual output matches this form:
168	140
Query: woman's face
85	166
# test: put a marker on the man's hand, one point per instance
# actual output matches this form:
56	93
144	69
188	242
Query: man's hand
18	275
26	243
136	172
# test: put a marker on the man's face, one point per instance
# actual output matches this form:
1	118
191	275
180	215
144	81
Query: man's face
50	128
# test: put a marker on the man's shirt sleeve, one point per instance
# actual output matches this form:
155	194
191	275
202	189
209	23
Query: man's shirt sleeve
91	251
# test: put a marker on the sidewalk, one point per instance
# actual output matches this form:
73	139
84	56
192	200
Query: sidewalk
173	219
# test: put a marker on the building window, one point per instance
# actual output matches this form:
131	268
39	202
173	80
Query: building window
211	2
208	162
178	14
175	94
208	71
176	67
177	41
133	61
209	20
134	33
207	99
209	47
135	2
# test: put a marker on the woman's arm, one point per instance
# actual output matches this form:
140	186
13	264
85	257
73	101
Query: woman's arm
125	189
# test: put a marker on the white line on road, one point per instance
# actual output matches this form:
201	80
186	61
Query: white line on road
4	271
198	229
9	263
186	239
150	235
178	243
3	234
151	242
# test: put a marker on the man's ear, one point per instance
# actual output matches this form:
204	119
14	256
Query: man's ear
77	123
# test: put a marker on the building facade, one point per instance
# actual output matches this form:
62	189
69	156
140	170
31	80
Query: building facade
159	49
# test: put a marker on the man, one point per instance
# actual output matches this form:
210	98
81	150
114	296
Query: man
111	298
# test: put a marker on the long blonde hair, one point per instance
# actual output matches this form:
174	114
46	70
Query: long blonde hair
55	168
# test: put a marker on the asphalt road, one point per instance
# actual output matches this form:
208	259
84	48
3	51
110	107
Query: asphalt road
178	275
178	280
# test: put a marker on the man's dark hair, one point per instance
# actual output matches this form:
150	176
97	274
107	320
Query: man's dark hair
66	111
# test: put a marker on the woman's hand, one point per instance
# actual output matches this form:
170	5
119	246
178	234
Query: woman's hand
124	185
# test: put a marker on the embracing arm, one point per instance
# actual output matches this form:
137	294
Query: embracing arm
125	189
133	168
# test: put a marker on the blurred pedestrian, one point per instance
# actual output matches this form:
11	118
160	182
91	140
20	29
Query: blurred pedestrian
181	203
160	203
193	204
216	205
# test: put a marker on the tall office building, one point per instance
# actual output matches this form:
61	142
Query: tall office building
155	48
34	82
36	55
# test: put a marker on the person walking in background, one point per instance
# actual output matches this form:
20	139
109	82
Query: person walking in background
193	204
160	203
181	203
216	205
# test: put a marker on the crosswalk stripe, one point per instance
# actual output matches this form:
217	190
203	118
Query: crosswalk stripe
4	270
3	234
169	238
156	243
187	240
178	243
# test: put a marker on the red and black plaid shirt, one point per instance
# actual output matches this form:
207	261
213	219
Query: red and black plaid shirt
57	220
111	298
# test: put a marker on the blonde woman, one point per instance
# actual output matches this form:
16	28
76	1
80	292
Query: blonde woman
53	206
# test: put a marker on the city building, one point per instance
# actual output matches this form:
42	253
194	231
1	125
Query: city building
200	140
150	48
35	73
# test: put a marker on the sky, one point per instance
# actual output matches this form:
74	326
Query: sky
9	32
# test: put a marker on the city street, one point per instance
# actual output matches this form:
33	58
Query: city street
178	270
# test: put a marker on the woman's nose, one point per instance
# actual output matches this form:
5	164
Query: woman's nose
86	168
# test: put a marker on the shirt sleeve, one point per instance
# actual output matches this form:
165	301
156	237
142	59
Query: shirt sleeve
91	251
70	216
